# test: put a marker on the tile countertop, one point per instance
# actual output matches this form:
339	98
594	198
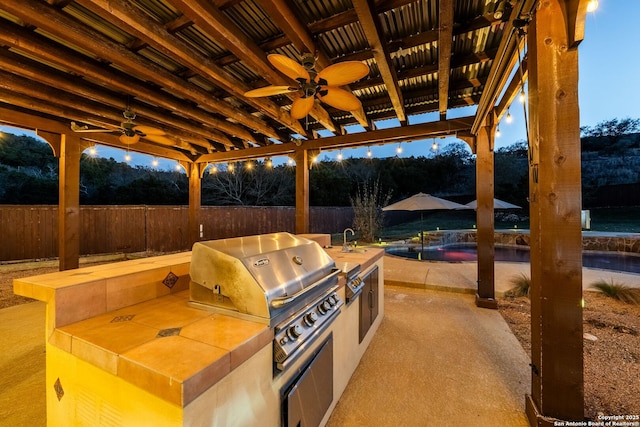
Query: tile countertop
155	341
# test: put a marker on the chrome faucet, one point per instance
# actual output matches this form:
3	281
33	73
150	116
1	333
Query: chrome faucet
345	247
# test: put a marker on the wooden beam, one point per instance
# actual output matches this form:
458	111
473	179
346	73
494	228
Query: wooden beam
17	37
380	136
555	195
195	201
505	60
302	191
49	19
485	215
370	22
445	41
45	100
69	202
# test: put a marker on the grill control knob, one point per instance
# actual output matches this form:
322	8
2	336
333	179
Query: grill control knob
310	318
323	307
294	332
332	300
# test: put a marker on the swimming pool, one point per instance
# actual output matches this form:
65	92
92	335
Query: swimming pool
616	261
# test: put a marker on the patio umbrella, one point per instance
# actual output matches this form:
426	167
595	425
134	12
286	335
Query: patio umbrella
497	204
423	202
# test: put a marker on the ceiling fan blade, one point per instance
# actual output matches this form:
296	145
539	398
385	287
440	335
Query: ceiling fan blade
129	139
160	139
343	73
301	107
339	98
85	129
148	130
269	91
288	67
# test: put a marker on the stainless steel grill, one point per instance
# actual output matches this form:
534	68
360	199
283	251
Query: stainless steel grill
285	281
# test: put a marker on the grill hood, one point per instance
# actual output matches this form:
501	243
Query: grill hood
262	276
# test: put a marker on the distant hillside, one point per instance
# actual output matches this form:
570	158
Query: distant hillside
610	176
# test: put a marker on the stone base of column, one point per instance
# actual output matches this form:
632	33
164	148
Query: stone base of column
491	303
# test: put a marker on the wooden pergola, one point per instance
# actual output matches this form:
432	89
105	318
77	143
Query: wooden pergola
184	66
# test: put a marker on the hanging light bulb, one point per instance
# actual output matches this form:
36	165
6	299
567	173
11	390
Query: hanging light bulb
269	162
369	153
230	167
340	157
154	163
213	170
399	149
498	132
509	117
522	97
290	161
248	165
93	151
178	167
434	146
127	157
592	5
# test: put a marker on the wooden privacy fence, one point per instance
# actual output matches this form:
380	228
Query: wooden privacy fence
31	231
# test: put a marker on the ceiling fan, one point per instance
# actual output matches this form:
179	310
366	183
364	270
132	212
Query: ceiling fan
311	84
130	132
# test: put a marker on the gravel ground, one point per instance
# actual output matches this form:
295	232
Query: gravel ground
611	362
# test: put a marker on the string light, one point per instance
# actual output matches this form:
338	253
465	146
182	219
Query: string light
340	156
522	96
434	146
290	161
498	132
592	5
399	149
230	167
509	117
369	153
213	170
93	151
178	166
155	163
269	162
127	157
248	166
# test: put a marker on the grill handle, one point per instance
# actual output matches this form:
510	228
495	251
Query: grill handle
282	301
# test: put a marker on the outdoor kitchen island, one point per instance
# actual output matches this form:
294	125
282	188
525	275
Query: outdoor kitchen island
125	347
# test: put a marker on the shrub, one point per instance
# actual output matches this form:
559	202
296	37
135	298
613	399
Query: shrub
521	286
618	291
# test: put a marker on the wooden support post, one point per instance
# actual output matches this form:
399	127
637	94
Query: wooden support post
195	200
69	202
484	215
557	386
302	191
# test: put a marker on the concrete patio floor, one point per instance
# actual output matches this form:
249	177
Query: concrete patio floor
436	359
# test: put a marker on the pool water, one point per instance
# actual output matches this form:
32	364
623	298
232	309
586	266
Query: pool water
616	261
